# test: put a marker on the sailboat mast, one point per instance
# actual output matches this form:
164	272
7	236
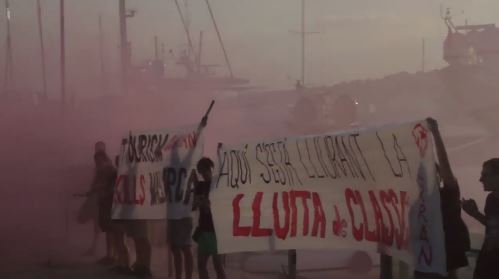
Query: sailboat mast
423	55
187	31
303	42
101	56
303	33
156	50
200	51
187	15
123	45
220	39
162	51
42	48
63	55
9	63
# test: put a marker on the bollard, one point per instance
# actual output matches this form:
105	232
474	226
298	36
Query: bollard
292	264
386	268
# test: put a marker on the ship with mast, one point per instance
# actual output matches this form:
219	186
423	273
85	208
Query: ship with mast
154	72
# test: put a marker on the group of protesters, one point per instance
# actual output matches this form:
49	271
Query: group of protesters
102	190
456	233
180	231
179	227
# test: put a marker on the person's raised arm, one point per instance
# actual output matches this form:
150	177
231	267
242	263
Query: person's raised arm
204	120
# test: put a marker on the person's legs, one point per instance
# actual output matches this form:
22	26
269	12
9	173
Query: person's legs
188	262
108	258
174	253
169	257
219	266
131	230
137	229
139	252
122	261
109	245
184	230
121	250
207	245
105	224
203	265
179	233
146	252
177	262
95	238
142	265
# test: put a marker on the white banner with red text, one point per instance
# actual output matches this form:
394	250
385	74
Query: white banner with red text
155	174
370	190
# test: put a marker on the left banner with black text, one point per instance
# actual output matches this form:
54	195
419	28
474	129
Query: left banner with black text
156	168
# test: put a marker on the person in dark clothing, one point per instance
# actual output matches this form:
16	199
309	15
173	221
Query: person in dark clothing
118	238
457	240
204	234
457	236
487	265
102	188
89	212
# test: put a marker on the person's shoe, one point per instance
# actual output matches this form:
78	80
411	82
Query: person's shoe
142	272
106	261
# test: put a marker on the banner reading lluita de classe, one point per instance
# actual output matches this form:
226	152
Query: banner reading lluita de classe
370	190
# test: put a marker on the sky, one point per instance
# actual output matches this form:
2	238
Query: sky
353	40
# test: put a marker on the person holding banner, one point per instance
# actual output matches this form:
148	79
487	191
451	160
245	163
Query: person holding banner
137	230
102	187
118	238
487	264
89	212
179	223
102	190
457	239
204	234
